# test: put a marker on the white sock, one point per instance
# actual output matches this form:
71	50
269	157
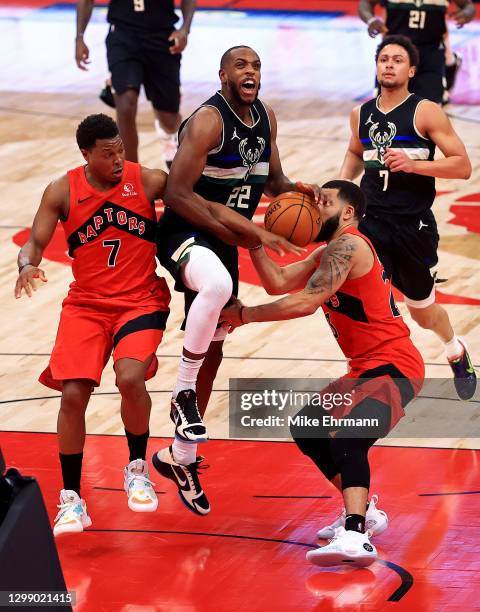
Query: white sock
453	348
187	374
184	453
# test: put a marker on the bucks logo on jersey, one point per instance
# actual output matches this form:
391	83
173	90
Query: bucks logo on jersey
251	154
382	139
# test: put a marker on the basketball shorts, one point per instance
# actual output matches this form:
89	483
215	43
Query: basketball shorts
378	394
92	328
429	81
136	58
173	251
408	252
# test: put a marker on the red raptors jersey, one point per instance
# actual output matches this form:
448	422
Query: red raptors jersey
366	322
111	234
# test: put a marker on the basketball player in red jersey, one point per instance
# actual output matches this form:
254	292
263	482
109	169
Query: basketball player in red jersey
115	304
351	286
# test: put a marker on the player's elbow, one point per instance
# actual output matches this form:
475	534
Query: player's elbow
466	169
174	196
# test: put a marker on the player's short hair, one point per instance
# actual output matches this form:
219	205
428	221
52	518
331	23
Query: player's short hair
350	193
401	41
228	52
93	128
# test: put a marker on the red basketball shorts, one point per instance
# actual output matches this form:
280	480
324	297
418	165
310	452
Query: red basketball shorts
92	327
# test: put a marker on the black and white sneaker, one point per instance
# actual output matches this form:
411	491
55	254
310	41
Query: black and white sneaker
184	413
186	479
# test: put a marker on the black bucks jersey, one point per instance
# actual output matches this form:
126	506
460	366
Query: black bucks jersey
236	171
422	21
394	193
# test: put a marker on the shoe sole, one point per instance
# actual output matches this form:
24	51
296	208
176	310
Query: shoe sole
338	558
166	471
200	440
143	508
68	531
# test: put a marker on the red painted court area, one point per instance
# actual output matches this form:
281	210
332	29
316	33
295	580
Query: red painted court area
267	503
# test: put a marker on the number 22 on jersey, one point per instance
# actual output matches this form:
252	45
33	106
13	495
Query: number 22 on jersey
240	196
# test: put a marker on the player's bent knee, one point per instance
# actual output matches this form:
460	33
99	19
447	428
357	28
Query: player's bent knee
350	457
129	382
75	396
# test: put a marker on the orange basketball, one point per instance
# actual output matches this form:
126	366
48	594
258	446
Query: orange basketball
294	216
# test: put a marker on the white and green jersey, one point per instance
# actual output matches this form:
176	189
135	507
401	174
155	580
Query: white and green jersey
394	193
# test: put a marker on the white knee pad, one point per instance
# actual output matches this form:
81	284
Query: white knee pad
205	273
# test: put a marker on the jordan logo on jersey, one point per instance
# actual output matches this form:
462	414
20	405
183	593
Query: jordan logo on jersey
382	140
252	155
235	135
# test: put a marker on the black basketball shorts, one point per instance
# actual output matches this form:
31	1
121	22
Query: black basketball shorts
408	252
143	58
173	251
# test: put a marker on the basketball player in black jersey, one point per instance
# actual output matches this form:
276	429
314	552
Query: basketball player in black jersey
423	22
226	159
143	47
393	141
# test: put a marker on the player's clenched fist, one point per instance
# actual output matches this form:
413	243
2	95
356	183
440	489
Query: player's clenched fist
26	280
398	161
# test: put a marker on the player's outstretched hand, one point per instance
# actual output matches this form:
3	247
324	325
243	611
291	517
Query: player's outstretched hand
26	280
398	161
82	54
377	26
279	244
310	189
231	316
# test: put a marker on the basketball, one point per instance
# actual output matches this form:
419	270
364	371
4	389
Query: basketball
294	216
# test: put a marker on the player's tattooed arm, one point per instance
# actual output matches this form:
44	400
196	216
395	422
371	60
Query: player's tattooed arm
335	265
278	280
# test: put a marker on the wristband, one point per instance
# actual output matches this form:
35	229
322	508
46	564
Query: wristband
80	35
24	266
255	248
372	19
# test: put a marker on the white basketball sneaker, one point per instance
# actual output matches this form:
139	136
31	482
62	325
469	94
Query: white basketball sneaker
72	516
139	487
376	521
345	548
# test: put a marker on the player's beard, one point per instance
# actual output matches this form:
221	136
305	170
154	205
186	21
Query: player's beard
390	84
237	95
329	227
